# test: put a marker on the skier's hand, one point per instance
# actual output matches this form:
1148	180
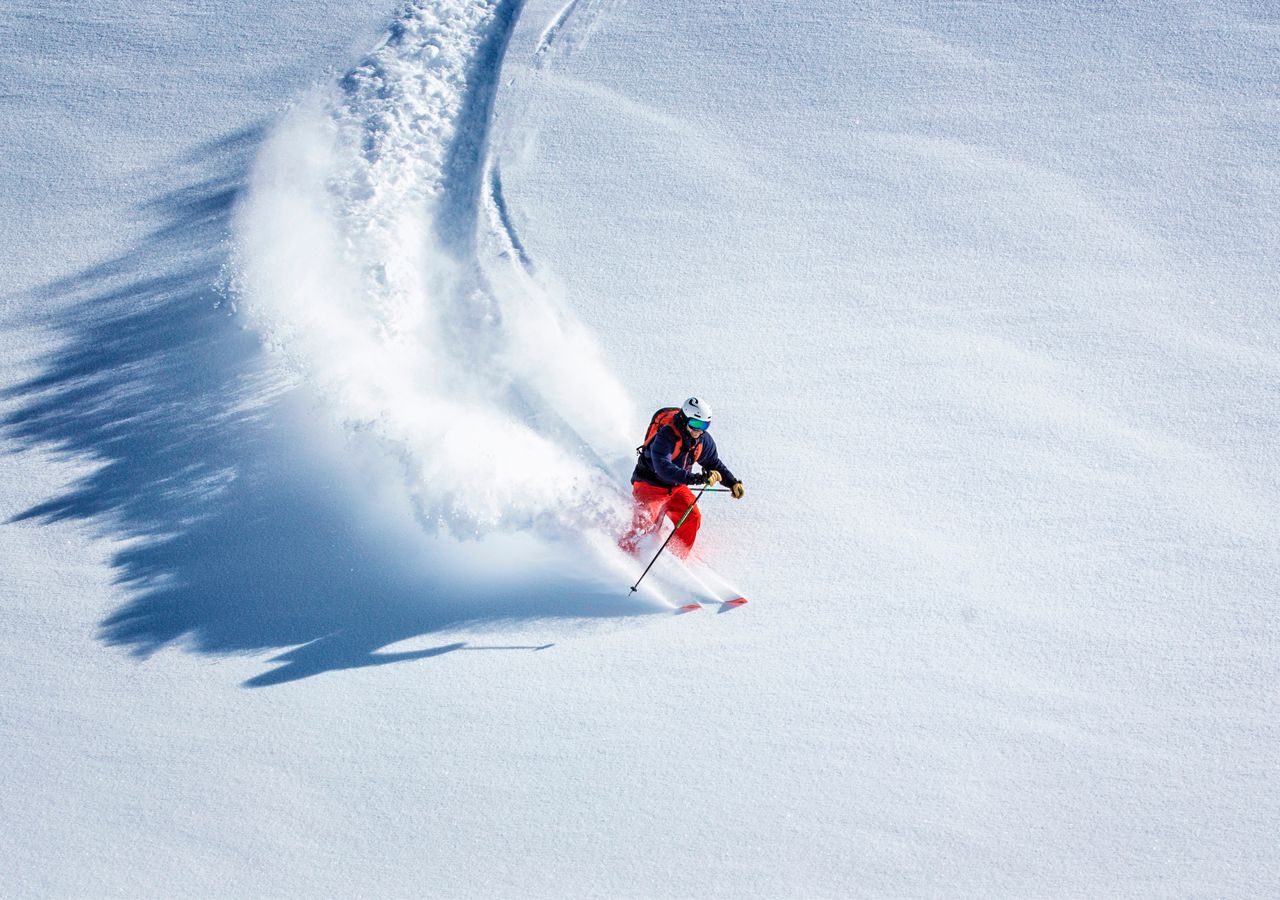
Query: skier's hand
713	478
738	490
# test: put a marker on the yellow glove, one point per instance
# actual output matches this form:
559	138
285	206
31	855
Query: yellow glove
713	478
738	491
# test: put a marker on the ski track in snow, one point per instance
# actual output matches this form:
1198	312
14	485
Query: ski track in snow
502	216
376	253
553	30
561	37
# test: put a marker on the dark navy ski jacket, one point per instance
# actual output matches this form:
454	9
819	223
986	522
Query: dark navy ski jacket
657	467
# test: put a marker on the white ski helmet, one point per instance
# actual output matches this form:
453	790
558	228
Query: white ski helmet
696	409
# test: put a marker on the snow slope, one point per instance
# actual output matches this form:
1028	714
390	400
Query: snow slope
304	407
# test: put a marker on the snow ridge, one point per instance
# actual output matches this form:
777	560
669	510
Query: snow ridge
375	253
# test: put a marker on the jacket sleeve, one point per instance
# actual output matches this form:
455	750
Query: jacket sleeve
710	459
660	451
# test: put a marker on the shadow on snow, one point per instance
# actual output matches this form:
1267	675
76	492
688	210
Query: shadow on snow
230	543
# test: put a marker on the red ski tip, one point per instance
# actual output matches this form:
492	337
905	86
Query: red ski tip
689	607
736	601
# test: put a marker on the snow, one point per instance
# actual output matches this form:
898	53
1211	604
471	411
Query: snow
325	353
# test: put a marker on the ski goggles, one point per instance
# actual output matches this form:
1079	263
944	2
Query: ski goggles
699	424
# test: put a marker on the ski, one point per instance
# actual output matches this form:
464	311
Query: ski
683	578
684	586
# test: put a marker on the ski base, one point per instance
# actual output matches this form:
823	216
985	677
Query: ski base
736	601
688	607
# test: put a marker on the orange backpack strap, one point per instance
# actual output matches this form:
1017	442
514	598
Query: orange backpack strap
657	421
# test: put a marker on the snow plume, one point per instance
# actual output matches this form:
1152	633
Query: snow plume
373	252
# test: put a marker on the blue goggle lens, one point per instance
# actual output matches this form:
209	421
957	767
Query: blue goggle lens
699	424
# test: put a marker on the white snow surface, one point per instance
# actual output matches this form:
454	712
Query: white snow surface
327	332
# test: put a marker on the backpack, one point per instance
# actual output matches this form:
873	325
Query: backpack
661	418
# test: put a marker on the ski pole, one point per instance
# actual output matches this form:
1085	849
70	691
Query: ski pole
668	540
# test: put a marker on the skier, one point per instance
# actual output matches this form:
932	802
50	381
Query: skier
677	438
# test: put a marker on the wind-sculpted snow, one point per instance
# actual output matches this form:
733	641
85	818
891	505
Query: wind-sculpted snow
376	254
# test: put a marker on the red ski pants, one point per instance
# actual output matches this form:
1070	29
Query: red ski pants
653	502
